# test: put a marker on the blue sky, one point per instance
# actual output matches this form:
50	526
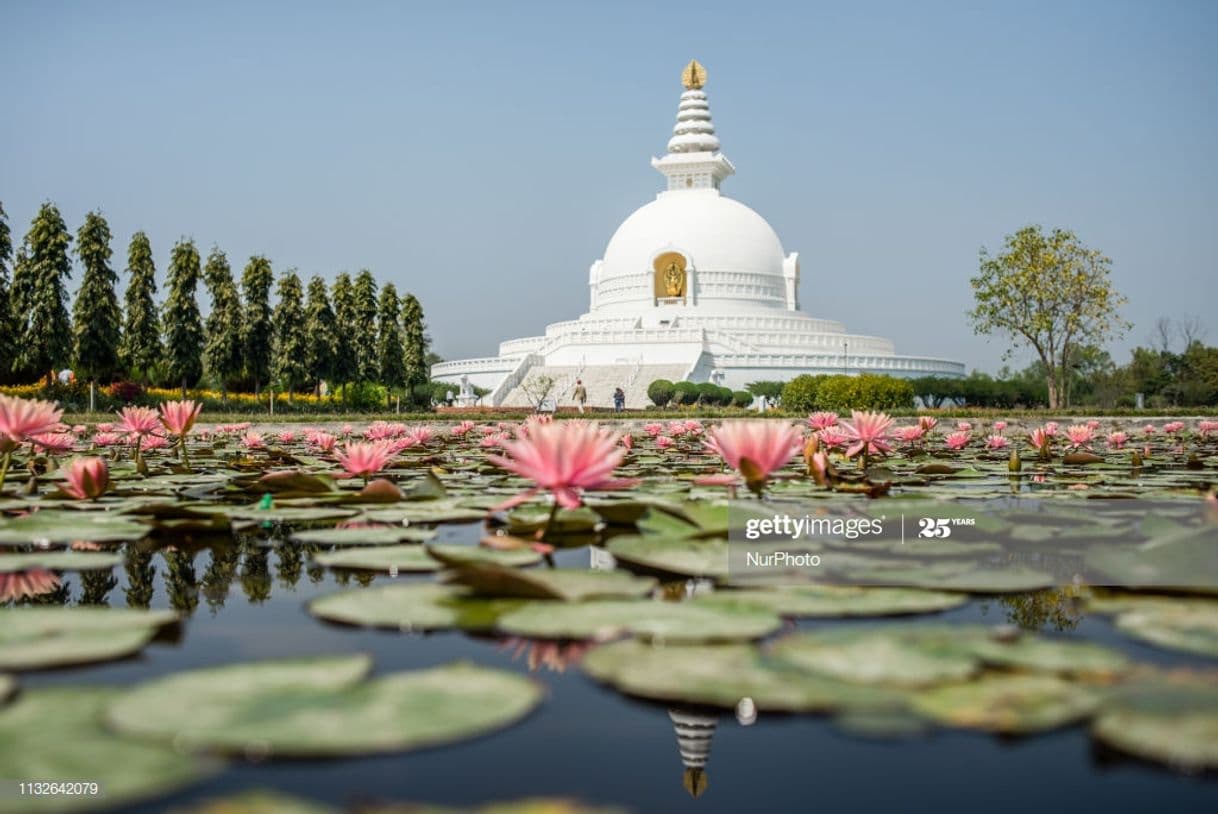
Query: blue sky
480	155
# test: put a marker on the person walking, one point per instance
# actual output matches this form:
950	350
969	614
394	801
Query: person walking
619	400
581	394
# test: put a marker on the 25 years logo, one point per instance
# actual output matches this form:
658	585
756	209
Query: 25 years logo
940	527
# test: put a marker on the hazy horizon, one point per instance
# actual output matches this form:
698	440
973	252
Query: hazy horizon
481	155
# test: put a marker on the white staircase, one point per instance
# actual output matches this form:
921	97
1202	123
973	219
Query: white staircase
600	381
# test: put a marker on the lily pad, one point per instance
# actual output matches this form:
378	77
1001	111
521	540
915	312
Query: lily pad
827	601
721	675
683	556
879	657
1169	718
419	606
660	621
1189	625
58	561
457	555
392	559
1008	703
380	535
56	733
60	527
567	584
321	707
39	638
289	514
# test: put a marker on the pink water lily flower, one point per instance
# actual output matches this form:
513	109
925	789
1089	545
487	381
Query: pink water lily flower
664	442
462	429
493	440
628	441
361	459
1173	427
139	420
1117	439
155	442
963	426
107	439
868	433
1094	424
324	441
755	449
957	440
420	435
88	478
1051	428
1080	435
928	422
653	429
27	584
287	437
22	418
822	420
1040	438
179	416
1149	429
833	438
999	426
909	434
54	443
565	458
253	440
997	442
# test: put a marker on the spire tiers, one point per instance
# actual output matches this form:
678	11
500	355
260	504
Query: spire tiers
693	160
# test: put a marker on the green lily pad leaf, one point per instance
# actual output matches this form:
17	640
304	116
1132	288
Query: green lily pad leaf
258	801
1190	625
450	510
39	638
529	519
321	707
458	555
899	657
683	556
289	514
393	559
1169	718
56	733
419	606
61	527
361	536
661	621
1027	652
1081	458
567	584
59	561
296	482
721	675
1184	560
1008	703
829	601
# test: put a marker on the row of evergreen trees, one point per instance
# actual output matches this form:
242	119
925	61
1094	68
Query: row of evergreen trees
348	333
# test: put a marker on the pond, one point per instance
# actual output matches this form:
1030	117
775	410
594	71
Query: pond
664	725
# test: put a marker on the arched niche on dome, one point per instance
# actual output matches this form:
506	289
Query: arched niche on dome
672	278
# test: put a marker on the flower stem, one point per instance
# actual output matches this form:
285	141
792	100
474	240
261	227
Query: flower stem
545	531
182	449
8	457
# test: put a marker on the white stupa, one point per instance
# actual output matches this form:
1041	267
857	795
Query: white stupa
693	286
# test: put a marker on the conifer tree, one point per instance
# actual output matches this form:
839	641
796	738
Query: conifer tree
96	316
291	348
182	323
345	360
390	339
223	352
256	283
414	334
320	330
40	295
368	368
141	343
8	326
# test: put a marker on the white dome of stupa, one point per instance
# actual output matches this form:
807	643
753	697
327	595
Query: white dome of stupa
721	239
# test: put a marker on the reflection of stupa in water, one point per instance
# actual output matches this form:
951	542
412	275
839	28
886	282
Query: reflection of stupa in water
694	733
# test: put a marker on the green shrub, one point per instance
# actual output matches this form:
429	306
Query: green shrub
661	392
772	390
684	393
366	396
799	394
708	393
742	398
864	392
725	396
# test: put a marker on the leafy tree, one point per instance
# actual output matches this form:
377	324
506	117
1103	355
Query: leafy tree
8	325
223	351
772	390
799	394
141	343
538	387
1050	293
390	347
40	297
290	343
345	359
256	334
414	333
368	368
181	321
320	330
97	318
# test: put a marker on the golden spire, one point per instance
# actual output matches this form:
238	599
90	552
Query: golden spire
694	75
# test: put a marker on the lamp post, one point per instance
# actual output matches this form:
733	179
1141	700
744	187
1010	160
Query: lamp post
845	358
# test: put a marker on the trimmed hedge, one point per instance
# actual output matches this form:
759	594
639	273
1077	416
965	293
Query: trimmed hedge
685	393
742	398
661	392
